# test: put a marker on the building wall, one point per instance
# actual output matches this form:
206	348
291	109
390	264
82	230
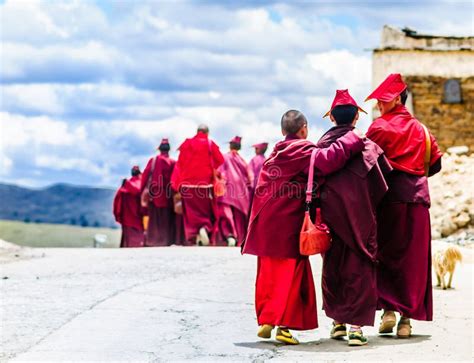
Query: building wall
450	64
452	124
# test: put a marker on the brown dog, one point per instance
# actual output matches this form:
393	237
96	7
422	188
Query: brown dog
444	261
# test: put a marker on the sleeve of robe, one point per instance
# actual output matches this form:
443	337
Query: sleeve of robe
222	170
183	155
175	178
334	157
146	174
384	165
375	133
117	208
250	177
435	168
218	158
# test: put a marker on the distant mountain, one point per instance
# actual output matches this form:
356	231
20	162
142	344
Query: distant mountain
59	203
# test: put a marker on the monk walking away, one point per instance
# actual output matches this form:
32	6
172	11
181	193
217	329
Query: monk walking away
128	211
284	292
256	163
404	231
197	165
349	200
159	200
234	205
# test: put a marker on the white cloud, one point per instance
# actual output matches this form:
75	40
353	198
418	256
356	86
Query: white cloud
41	98
23	131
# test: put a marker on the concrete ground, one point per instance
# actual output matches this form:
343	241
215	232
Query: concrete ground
172	304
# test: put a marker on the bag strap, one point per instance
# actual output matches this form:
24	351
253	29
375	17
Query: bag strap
309	187
427	149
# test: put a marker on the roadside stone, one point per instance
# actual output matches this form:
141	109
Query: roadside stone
462	220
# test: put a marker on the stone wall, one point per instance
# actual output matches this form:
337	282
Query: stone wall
452	203
452	124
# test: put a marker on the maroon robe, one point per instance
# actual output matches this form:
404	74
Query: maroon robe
128	212
234	205
404	232
349	200
161	222
285	287
198	157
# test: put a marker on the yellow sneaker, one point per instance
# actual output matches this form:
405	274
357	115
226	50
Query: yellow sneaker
265	331
283	335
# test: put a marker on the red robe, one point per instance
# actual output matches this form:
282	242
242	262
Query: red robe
255	166
128	212
404	237
349	200
161	224
234	206
275	223
196	162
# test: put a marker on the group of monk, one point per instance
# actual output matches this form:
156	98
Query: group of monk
372	192
203	198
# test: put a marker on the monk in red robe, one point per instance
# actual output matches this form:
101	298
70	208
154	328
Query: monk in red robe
349	200
128	211
234	205
404	233
157	177
198	161
284	292
256	163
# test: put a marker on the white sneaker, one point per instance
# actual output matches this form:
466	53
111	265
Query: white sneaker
231	242
203	237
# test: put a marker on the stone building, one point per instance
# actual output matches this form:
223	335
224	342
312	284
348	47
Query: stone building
439	71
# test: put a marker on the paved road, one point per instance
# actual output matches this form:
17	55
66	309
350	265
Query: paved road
177	303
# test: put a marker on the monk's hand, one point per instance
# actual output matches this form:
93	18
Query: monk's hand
359	133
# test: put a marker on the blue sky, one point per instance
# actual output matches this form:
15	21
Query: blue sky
90	87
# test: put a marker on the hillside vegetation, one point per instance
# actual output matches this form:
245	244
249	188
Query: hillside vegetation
55	235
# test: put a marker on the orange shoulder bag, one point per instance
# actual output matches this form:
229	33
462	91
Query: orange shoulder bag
314	238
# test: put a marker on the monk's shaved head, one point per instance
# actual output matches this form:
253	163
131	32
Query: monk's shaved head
292	121
203	128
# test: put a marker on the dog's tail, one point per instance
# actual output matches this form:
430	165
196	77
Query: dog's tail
453	253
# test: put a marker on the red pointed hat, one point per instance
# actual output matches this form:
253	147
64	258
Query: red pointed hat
343	98
262	145
390	88
236	139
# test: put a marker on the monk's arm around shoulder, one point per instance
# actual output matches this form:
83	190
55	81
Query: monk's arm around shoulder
330	159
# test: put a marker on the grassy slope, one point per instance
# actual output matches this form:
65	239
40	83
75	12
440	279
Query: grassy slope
54	235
